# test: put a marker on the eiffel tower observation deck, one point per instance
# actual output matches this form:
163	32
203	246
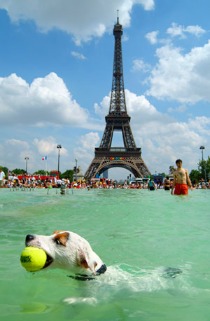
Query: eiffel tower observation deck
106	156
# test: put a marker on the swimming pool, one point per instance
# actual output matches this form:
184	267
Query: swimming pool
137	233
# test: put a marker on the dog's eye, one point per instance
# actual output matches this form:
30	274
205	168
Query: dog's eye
61	238
57	241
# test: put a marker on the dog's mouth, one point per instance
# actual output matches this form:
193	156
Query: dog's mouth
49	259
48	262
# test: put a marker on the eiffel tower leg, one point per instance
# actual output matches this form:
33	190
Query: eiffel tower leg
93	169
139	168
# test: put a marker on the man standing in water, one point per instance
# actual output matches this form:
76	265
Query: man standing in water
2	176
181	180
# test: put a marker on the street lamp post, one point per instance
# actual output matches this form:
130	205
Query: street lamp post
203	165
59	149
26	159
76	170
202	148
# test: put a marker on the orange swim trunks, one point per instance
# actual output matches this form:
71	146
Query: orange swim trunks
181	189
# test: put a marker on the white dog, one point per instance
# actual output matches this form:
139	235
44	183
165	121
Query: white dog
68	250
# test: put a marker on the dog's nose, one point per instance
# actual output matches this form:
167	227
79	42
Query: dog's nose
29	238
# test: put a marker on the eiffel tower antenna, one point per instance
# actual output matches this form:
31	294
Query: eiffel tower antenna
129	156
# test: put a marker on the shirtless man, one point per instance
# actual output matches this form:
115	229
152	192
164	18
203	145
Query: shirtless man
2	176
181	180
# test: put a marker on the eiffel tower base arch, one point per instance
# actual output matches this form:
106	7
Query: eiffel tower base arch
131	161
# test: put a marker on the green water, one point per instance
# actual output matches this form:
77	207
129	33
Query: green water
137	233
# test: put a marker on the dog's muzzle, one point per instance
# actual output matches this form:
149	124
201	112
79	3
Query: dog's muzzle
28	240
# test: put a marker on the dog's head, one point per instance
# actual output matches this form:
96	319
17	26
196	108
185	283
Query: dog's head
67	250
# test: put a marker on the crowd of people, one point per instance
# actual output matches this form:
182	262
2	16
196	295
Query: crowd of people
178	184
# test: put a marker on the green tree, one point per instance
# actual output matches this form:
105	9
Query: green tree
18	171
68	174
208	169
195	176
41	172
171	169
204	168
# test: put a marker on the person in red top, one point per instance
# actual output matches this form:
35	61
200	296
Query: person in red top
181	180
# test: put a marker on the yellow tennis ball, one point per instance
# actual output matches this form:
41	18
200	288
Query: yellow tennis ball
33	259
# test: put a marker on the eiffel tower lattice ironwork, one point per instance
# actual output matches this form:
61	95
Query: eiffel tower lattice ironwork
129	156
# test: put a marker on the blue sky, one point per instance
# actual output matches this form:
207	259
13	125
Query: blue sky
56	63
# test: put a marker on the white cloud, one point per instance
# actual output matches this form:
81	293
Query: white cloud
141	110
15	151
82	19
167	141
84	153
152	37
47	146
179	109
136	105
46	101
140	65
202	125
90	140
180	31
78	55
173	31
195	30
147	4
181	77
102	109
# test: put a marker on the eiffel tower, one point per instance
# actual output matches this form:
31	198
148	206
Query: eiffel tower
129	156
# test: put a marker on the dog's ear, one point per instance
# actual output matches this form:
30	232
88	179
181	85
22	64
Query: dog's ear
61	238
57	231
86	263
